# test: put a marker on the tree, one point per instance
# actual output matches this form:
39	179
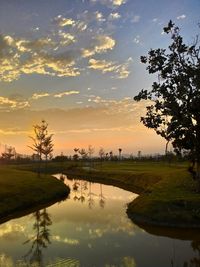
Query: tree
120	153
9	153
48	146
174	110
76	156
83	153
91	150
42	142
101	153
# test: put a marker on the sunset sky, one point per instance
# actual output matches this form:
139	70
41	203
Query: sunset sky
76	64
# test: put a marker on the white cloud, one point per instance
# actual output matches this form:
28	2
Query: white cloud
37	96
110	3
66	240
66	93
62	22
66	38
181	16
99	16
136	40
21	56
7	103
101	44
114	16
120	71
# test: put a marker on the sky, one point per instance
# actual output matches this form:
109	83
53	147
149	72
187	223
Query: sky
76	64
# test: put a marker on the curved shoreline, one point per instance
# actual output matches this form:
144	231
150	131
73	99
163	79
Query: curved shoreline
145	187
167	194
23	192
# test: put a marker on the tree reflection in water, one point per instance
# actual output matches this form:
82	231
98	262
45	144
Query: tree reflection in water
195	262
101	198
81	190
90	197
41	238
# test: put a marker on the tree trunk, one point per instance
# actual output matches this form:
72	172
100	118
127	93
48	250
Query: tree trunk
166	148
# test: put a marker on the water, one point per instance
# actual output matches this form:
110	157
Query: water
91	229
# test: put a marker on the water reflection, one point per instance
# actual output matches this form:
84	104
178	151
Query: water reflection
40	238
91	229
82	192
195	261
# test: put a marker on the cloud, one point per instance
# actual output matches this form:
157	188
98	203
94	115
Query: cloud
62	22
137	40
20	56
135	19
9	229
118	2
65	38
66	240
66	93
88	16
181	16
53	54
24	45
37	96
155	19
114	16
119	70
110	3
11	103
102	114
101	44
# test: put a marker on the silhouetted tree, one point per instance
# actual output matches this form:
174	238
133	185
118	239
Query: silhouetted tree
48	146
91	150
101	153
42	141
76	156
174	110
83	153
120	153
9	153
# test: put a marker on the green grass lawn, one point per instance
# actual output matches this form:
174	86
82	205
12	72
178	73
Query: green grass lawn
21	191
167	193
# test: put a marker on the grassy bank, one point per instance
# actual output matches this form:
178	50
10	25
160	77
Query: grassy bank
23	191
167	194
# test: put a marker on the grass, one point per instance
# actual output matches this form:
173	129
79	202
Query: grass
167	193
23	191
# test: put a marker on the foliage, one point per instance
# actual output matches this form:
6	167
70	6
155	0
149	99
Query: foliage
91	151
42	142
101	153
8	153
174	112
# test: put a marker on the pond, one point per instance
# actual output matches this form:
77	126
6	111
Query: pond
91	229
